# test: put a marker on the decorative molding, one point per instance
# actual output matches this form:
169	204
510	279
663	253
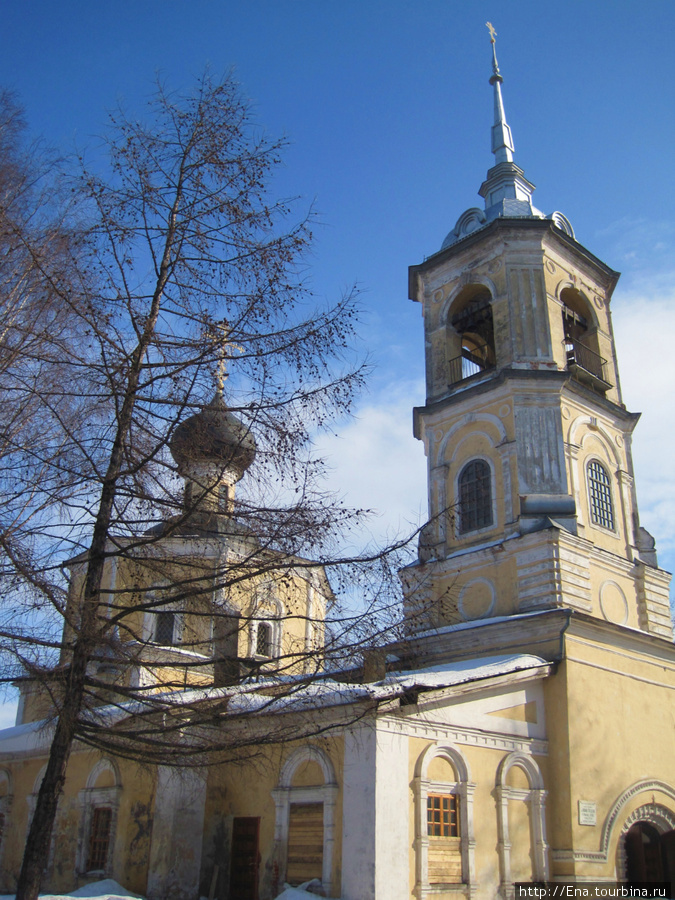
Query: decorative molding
466	588
535	795
607	588
621	801
654	813
454	734
464	789
285	794
472	419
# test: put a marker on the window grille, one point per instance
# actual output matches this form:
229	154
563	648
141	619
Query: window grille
475	496
600	495
99	840
263	640
165	628
442	815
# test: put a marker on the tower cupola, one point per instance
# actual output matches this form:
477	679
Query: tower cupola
212	450
506	191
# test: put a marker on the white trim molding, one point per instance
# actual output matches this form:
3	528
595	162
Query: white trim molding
286	793
535	795
464	789
89	799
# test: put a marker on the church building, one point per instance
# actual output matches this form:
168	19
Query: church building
522	730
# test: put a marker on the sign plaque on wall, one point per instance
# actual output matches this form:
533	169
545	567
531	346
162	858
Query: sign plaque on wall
588	812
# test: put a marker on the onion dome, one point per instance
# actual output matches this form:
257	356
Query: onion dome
213	437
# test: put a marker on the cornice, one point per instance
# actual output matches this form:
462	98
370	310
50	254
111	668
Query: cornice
505	224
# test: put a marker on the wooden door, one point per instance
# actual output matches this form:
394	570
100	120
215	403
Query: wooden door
244	858
643	854
668	852
305	843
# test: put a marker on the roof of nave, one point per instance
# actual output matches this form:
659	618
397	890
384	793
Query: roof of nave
298	694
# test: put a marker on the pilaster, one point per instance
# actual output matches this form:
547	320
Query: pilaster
375	839
178	826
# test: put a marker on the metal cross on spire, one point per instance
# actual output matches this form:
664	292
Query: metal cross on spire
225	343
495	65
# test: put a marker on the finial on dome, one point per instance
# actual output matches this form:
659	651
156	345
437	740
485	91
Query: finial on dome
221	371
493	34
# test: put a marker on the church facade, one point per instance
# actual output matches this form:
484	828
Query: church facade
524	728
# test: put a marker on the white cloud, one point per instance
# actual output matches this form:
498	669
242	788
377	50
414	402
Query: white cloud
375	462
644	329
7	714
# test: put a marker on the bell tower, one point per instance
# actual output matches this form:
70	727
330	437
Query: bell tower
532	503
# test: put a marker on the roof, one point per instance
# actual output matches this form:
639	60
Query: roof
296	694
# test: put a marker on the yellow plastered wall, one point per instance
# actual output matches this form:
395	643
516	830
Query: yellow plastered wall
621	731
133	830
483	765
245	789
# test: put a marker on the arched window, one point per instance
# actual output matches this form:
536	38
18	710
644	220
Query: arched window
263	639
305	801
475	496
99	801
266	624
164	616
521	801
444	839
582	350
600	495
471	323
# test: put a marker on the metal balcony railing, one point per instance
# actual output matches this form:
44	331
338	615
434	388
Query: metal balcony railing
466	365
581	355
586	363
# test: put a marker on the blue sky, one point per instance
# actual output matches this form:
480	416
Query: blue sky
388	109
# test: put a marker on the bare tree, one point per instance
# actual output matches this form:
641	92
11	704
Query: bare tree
39	259
181	346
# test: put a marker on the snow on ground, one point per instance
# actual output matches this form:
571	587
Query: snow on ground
102	890
111	890
303	892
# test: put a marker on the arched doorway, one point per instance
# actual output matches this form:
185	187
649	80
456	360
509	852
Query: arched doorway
650	854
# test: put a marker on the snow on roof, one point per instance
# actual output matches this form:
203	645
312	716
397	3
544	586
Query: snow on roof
335	693
29	736
265	697
476	623
462	671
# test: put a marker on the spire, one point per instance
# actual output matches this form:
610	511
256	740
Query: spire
506	190
502	139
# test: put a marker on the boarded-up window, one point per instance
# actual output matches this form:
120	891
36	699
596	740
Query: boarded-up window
305	842
99	839
445	852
